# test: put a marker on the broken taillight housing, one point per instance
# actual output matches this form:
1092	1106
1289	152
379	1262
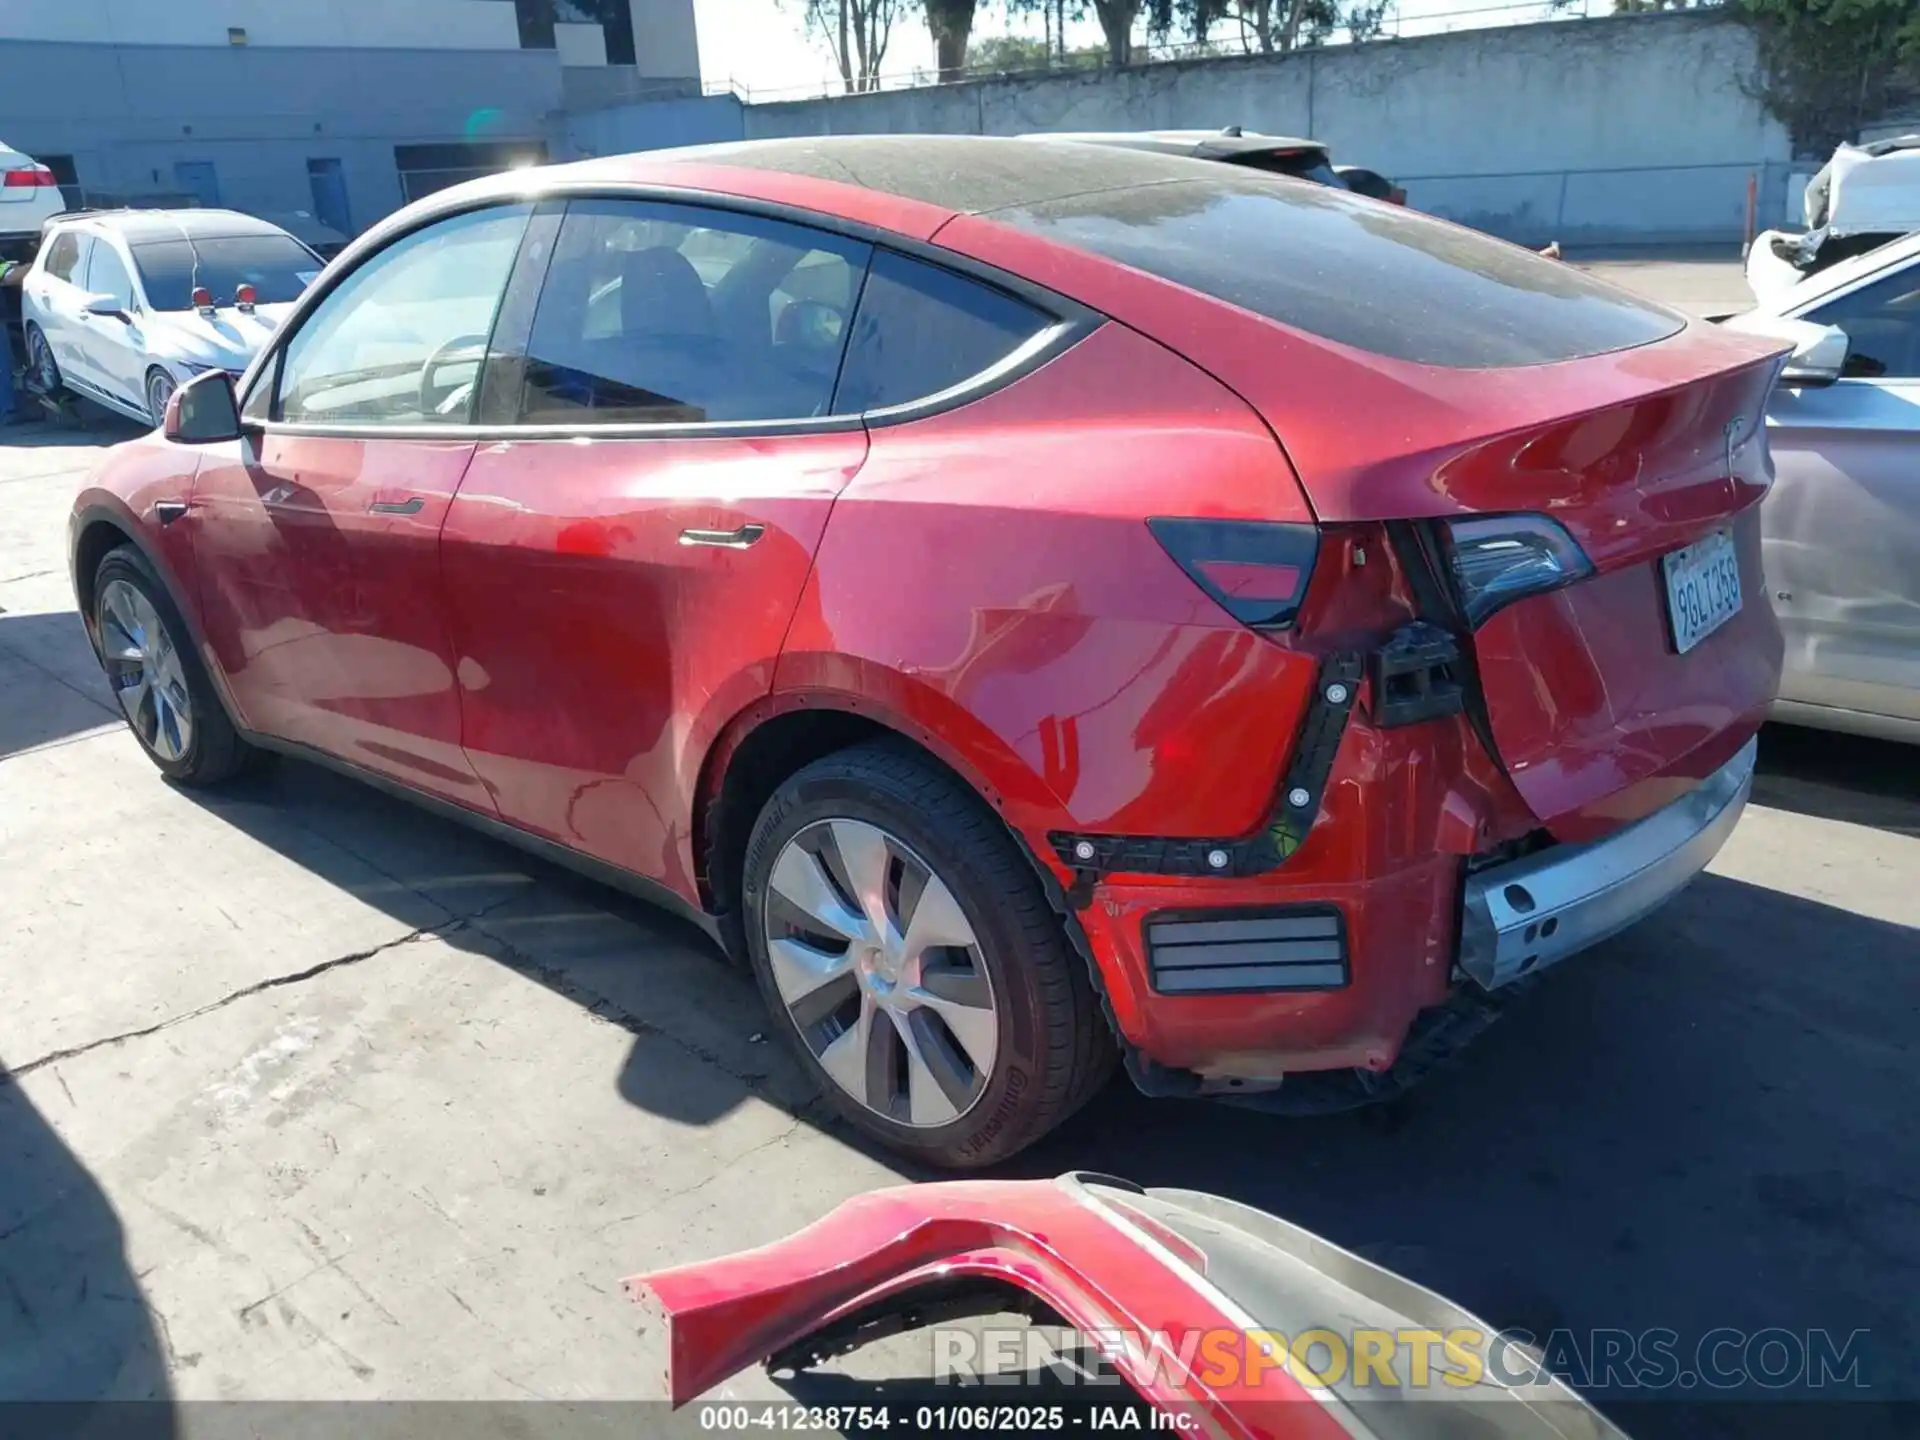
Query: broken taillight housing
1255	570
1498	559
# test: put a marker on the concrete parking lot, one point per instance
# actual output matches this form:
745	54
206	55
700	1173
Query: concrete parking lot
306	1095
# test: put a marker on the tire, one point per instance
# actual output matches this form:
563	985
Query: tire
166	696
927	1092
43	371
160	388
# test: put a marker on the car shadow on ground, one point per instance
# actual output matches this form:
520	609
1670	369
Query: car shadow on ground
48	647
75	1326
1840	777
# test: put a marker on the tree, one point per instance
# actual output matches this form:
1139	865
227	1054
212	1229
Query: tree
856	33
951	22
1275	26
1828	67
1116	19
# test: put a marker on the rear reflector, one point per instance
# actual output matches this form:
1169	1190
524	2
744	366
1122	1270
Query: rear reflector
1215	952
1255	570
33	178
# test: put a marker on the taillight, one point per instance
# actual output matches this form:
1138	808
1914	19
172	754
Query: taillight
34	177
1497	559
1255	570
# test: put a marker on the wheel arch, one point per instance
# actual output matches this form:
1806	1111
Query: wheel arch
757	750
98	528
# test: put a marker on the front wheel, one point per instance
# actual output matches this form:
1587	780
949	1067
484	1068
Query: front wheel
43	371
909	956
164	691
160	388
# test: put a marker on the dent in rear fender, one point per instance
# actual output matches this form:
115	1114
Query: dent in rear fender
991	574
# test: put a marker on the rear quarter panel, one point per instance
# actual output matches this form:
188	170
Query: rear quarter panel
988	579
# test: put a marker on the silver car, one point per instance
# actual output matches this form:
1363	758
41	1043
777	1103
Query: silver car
125	306
1842	524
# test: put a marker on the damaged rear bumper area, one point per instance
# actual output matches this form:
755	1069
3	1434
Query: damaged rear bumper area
1521	917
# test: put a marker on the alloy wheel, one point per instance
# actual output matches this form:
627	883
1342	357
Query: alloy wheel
41	367
159	390
881	973
143	666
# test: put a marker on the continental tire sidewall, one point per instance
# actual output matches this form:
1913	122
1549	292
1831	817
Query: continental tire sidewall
974	1138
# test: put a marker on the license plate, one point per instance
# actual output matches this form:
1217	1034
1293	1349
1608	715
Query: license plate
1703	588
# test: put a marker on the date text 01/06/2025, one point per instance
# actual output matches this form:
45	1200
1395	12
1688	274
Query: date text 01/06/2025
960	1418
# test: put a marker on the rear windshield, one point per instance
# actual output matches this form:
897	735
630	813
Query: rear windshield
277	266
1376	277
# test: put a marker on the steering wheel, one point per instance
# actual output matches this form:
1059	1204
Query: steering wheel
439	357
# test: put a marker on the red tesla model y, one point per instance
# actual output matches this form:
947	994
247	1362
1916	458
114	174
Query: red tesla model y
1034	603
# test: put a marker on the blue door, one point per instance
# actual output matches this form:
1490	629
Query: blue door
199	179
329	183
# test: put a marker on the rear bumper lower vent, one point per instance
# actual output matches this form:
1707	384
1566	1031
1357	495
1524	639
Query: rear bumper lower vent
1228	952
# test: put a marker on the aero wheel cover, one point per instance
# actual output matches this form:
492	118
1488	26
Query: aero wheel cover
143	666
881	973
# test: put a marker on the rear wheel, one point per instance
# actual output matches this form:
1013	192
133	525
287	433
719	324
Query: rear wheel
160	389
164	691
910	958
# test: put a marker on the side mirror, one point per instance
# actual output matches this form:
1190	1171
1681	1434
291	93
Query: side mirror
1819	351
1819	359
203	411
108	308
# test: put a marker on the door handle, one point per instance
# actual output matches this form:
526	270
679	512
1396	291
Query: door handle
397	507
724	539
168	511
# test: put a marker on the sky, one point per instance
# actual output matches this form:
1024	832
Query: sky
762	45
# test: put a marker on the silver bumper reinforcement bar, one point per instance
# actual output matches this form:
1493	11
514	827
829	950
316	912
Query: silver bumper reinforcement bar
1523	916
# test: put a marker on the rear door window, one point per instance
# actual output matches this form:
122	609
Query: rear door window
921	330
664	314
1385	280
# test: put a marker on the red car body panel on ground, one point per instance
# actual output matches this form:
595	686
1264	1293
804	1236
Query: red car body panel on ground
1213	1314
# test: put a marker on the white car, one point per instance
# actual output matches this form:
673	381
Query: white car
125	306
29	197
1864	197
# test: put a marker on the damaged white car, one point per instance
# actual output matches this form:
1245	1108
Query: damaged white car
1865	196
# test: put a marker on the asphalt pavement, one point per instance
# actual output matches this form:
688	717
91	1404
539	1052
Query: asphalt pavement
306	1095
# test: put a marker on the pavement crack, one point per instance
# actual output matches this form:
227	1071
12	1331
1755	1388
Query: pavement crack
259	987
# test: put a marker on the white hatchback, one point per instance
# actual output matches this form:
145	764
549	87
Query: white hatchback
125	306
29	197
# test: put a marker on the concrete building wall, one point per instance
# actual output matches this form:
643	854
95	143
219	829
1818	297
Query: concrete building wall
415	24
1619	130
259	114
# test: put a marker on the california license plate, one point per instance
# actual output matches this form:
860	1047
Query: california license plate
1703	588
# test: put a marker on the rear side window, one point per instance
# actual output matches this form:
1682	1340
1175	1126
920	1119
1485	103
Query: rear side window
1882	321
921	330
1385	280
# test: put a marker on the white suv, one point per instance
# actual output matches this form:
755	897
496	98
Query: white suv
29	197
